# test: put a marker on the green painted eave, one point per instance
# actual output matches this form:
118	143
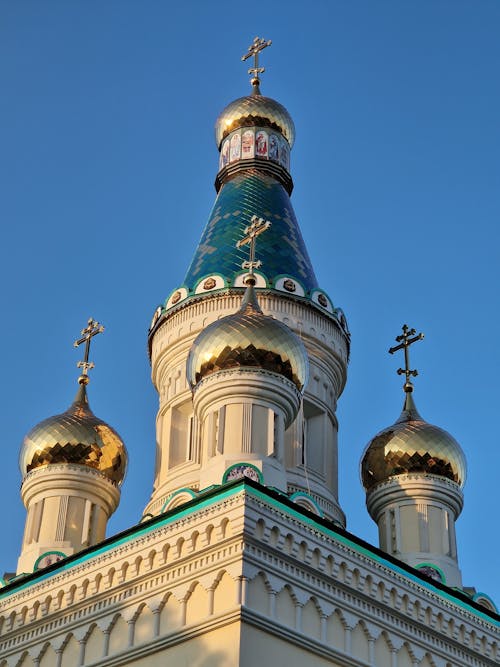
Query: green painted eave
283	504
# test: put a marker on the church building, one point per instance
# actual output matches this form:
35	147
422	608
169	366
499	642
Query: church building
242	556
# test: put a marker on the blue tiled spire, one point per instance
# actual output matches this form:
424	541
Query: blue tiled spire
282	250
254	136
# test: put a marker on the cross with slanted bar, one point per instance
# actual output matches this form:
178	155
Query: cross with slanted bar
254	229
254	49
407	338
92	329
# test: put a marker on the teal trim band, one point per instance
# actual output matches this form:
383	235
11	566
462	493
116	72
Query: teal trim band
302	494
265	495
186	491
139	530
365	551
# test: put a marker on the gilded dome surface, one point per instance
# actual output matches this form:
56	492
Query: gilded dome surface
252	110
412	445
248	339
76	436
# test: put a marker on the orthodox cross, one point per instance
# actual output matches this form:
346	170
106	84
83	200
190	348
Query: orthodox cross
254	229
254	49
92	329
407	338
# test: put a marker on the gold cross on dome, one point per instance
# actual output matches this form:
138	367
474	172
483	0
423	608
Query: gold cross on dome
254	229
407	338
92	329
258	45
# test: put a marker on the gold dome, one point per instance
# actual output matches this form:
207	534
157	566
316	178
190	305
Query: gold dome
76	436
248	339
254	110
411	445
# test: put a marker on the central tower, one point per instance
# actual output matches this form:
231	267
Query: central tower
197	444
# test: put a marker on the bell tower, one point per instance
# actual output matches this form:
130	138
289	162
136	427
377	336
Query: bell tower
254	136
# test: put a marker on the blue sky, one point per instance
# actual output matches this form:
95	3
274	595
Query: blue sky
107	163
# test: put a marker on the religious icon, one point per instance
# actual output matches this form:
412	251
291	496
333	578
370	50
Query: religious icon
241	470
284	154
224	154
235	147
261	143
273	148
247	144
176	297
209	283
289	285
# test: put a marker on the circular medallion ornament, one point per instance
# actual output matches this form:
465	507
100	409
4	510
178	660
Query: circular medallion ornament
209	283
176	297
289	285
48	558
240	470
322	300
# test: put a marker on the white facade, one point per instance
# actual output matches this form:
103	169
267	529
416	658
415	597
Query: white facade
223	573
240	577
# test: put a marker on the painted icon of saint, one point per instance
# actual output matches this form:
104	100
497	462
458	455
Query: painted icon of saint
247	144
273	148
224	154
261	143
235	153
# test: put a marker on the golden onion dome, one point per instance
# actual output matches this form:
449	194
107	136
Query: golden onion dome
411	445
250	340
78	437
254	110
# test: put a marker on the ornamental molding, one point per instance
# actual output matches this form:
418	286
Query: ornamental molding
410	488
242	534
307	320
71	470
354	560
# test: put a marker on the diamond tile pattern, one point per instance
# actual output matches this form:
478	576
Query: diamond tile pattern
254	110
76	436
410	446
248	339
281	248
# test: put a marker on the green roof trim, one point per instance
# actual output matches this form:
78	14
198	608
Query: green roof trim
279	501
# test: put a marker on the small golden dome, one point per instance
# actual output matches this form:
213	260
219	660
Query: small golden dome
411	445
76	436
248	339
254	110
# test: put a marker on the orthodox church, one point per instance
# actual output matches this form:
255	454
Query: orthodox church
242	556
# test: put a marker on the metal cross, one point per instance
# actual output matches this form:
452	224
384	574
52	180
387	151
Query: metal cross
254	49
405	340
254	229
92	329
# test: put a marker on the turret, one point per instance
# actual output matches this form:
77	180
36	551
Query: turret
413	474
73	465
254	136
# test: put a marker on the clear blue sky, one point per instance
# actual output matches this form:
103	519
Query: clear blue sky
107	163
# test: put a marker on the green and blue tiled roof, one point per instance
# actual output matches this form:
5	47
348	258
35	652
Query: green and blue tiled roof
281	249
